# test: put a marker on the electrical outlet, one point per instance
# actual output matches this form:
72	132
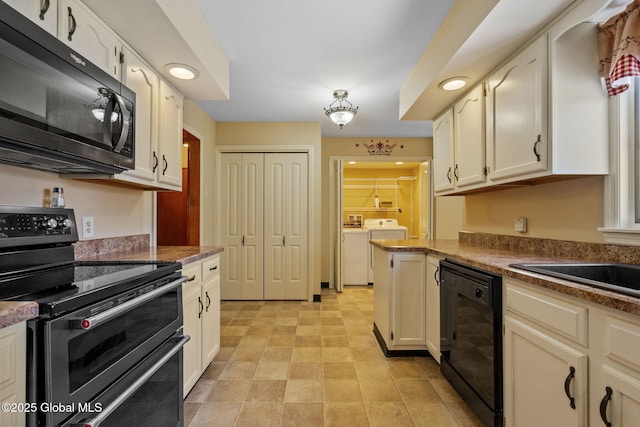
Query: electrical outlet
520	224
87	227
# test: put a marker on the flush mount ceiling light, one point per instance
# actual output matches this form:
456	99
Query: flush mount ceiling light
454	83
342	113
182	71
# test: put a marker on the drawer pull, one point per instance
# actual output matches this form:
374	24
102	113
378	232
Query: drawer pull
192	278
567	385
215	267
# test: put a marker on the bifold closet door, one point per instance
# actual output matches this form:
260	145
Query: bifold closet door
285	227
242	226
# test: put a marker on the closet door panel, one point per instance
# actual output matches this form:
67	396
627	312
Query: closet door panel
252	226
296	245
231	287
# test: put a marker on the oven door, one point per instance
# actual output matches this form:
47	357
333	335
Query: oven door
150	395
91	348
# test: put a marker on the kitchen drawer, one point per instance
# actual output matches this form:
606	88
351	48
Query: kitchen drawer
211	268
560	316
622	341
193	273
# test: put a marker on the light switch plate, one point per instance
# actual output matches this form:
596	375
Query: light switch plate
87	227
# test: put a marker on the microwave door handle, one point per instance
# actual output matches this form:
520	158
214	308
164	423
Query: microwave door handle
126	121
107	131
108	410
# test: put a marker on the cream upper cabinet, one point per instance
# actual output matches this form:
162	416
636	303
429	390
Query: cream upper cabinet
142	79
469	139
85	33
169	170
42	12
433	306
443	152
517	114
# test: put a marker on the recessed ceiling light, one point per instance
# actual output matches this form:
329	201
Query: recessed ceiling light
182	71
454	83
351	162
399	163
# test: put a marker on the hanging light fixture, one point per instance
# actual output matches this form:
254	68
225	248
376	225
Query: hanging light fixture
341	114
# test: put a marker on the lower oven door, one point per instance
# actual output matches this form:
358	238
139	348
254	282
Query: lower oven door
150	395
87	350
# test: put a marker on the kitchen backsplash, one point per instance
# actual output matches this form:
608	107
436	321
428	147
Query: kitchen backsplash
88	248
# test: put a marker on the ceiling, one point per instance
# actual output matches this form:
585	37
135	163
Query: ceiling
288	56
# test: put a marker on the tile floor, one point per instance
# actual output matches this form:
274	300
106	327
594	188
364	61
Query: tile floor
285	363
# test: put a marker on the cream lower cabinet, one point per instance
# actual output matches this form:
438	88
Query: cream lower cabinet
568	362
432	306
13	372
201	305
399	299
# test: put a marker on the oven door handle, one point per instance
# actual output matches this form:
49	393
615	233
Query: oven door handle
93	321
108	410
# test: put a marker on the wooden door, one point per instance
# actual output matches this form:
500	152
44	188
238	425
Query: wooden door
286	237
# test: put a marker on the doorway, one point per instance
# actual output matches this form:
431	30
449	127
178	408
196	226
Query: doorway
178	221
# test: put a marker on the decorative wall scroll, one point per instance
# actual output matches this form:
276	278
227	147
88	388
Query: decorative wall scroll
379	148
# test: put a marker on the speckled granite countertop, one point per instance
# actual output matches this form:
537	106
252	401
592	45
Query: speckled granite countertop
128	248
498	259
15	312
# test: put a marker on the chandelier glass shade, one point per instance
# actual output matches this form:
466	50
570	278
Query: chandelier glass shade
341	111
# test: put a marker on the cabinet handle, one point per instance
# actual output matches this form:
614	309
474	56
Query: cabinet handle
567	385
455	173
192	278
208	301
43	9
603	406
201	307
435	275
449	174
213	268
72	24
165	164
284	240
242	240
155	162
535	147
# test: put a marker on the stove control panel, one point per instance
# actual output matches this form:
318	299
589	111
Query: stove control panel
46	225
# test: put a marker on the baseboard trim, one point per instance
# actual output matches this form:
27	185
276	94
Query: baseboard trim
396	353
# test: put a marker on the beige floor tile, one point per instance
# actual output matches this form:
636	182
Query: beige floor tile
362	341
333	330
444	389
272	370
305	371
336	354
345	414
385	414
266	391
281	341
334	341
306	354
253	341
215	415
284	330
277	354
200	391
224	354
230	341
286	321
309	321
235	331
246	354
308	341
229	391
370	354
304	391
190	410
302	414
238	371
260	330
213	370
418	390
310	330
268	320
342	391
239	321
463	414
379	391
372	370
339	370
331	321
260	414
431	414
402	368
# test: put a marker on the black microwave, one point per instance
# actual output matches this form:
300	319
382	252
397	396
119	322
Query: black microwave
58	111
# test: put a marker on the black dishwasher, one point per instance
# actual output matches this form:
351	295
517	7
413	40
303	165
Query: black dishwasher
471	337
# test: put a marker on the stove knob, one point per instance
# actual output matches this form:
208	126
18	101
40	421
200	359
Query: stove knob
65	224
48	224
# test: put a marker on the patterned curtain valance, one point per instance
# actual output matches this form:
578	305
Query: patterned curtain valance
619	48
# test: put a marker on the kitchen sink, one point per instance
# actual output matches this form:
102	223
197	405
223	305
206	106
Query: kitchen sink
622	278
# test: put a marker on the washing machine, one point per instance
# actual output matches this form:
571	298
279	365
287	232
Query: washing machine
382	229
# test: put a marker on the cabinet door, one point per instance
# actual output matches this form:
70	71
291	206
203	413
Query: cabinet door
170	137
443	152
242	225
469	141
81	30
210	320
13	381
42	12
433	306
192	326
541	377
408	299
286	241
517	115
140	77
619	402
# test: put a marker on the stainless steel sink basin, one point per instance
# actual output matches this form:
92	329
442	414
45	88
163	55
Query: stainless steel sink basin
622	278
